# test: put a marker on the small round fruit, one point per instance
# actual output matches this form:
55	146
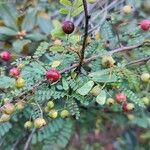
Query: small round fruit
130	116
95	90
146	100
127	9
39	122
20	82
108	61
64	113
14	72
53	75
50	104
53	114
145	24
110	101
5	56
120	97
4	118
8	108
20	105
28	125
68	27
145	77
130	107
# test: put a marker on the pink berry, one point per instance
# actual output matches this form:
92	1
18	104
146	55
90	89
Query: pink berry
14	72
5	56
68	27
145	24
53	75
120	97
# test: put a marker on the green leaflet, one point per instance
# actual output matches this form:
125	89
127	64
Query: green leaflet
85	89
65	84
6	82
64	11
65	2
101	98
29	20
7	31
19	44
103	76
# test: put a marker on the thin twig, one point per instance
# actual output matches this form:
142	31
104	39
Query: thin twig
139	61
39	109
85	35
29	140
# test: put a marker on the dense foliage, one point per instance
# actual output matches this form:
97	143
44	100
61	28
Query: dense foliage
74	74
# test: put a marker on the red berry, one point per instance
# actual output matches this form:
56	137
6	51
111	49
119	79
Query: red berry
68	27
53	75
5	56
120	97
145	24
14	72
124	107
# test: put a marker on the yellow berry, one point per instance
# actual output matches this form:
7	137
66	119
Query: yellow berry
146	100
53	114
130	106
108	61
20	82
8	108
145	77
28	125
39	122
110	101
20	105
127	9
64	113
4	118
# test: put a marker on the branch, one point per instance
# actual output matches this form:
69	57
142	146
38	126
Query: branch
139	61
94	57
85	35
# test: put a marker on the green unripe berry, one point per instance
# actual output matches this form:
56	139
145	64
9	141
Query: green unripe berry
50	104
64	113
28	125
